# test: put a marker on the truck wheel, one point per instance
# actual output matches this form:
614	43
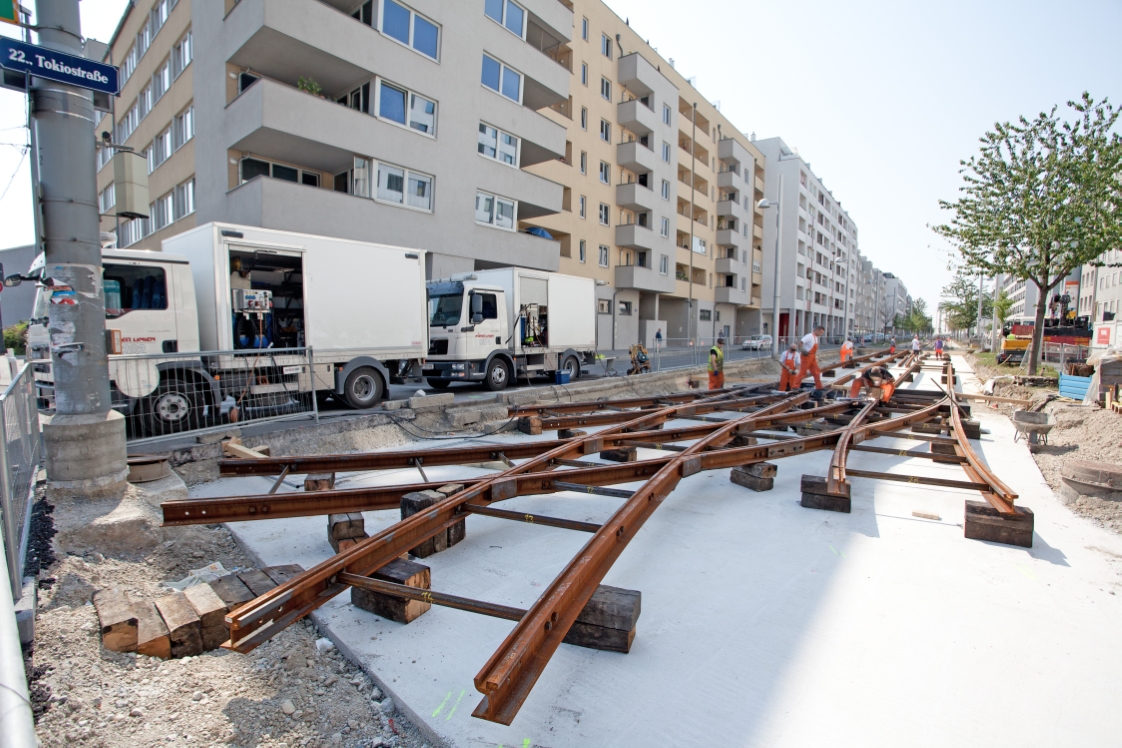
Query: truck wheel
572	366
174	408
438	384
363	388
498	375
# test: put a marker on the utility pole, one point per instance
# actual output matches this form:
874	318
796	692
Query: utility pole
996	295
85	440
693	182
776	275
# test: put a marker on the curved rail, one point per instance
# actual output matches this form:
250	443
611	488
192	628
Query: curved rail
835	479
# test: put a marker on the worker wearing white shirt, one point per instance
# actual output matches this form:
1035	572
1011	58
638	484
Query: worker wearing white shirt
915	344
846	350
790	361
810	358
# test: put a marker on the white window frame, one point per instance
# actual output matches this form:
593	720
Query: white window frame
666	152
525	17
503	67
184	122
161	148
583	206
496	199
606	46
605	129
378	82
584	162
605	173
604	252
299	172
184	192
664	263
605	214
499	133
664	227
666	114
584	73
179	60
375	169
665	190
409	45
584	29
107	199
161	81
605	89
584	118
583	250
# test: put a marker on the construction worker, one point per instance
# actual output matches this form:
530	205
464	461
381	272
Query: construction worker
874	376
892	347
790	361
810	358
717	365
846	350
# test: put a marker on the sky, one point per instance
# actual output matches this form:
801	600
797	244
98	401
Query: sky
882	98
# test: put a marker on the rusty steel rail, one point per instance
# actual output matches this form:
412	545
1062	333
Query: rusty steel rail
835	478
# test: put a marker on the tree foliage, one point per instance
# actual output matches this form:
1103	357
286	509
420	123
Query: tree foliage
917	320
960	301
1041	198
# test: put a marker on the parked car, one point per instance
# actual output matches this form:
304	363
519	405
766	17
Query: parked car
756	343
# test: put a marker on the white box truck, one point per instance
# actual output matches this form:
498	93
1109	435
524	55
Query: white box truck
252	295
495	326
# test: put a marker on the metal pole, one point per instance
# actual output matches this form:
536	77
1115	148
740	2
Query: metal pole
64	119
981	279
993	322
693	180
16	723
11	535
775	277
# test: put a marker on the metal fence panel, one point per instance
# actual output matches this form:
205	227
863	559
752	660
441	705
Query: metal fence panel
19	464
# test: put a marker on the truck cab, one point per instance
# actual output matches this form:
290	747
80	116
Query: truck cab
467	329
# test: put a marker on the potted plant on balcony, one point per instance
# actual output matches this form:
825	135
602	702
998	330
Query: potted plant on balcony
310	86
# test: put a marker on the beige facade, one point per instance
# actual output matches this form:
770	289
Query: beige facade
672	179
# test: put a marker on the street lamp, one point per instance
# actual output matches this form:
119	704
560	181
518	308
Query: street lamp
764	204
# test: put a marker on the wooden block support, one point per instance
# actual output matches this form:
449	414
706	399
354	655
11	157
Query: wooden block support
345	527
927	428
458	531
183	625
743	441
531	425
117	620
210	609
816	496
829	373
281	574
232	591
938	448
760	469
607	621
983	522
257	582
622	454
972	429
571	433
411	503
152	639
741	477
395	608
319	482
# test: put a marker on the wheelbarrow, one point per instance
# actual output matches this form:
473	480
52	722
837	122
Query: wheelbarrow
1033	426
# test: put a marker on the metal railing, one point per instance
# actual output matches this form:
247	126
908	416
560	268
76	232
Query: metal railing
19	464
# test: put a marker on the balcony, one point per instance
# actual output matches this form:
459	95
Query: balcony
729	266
643	279
729	180
732	209
639	76
759	185
635	236
636	157
730	149
637	117
757	231
636	197
730	238
732	295
295	207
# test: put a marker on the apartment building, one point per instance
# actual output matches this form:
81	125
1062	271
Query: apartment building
1100	288
660	192
897	301
1024	295
818	249
871	298
410	123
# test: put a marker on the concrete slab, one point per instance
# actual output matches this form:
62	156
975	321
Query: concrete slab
765	623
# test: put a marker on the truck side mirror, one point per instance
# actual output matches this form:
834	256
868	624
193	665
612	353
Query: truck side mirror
477	318
13	280
476	309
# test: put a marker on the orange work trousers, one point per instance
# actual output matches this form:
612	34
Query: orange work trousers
716	380
810	364
846	354
787	380
886	390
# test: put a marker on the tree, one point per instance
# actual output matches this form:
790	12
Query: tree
1002	306
1041	198
961	301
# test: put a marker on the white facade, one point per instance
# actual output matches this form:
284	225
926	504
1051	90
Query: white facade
1100	289
897	301
818	257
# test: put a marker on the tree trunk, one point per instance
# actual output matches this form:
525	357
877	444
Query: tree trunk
1038	327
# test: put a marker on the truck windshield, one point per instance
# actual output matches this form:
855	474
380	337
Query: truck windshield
444	310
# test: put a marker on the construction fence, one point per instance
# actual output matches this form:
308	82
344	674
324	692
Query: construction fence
19	466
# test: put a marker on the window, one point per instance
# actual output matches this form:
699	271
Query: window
128	64
104	156
107	199
605	172
584	29
130	287
404	187
605	215
663	263
144	102
181	55
410	28
604	306
606	89
507	14
160	212
495	211
255	167
159	151
183	127
161	81
420	114
185	198
605	131
664	228
665	190
127	124
584	74
603	259
582	204
625	308
584	118
582	251
501	79
665	114
666	152
583	162
133	231
606	46
496	144
705	315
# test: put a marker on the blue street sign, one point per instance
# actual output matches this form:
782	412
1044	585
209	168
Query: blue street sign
58	66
